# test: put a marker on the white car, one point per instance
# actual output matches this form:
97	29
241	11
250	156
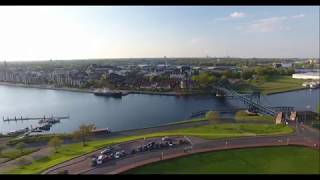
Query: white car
165	138
117	155
100	159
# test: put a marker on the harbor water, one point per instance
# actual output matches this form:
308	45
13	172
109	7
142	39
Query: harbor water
129	112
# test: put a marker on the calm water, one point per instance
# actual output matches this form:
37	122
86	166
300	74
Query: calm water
132	111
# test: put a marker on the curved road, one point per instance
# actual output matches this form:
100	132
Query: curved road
304	136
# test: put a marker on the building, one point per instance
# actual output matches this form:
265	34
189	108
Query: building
283	65
308	75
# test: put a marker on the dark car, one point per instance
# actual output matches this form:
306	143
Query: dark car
181	141
133	151
93	161
106	151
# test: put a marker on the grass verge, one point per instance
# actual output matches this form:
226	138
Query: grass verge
276	84
13	154
270	160
243	117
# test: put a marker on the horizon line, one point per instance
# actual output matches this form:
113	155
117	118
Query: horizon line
168	58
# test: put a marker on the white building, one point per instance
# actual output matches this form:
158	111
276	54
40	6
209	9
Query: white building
177	76
308	75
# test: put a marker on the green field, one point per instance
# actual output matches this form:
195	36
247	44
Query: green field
217	131
271	160
276	84
243	117
14	153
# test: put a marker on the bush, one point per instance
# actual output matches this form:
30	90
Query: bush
213	117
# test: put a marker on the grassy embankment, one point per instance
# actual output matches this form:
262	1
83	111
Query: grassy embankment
14	153
271	160
217	131
243	117
276	84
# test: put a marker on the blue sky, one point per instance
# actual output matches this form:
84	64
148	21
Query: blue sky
42	33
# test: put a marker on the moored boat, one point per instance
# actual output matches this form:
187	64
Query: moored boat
106	93
18	132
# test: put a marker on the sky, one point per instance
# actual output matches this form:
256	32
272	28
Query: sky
84	32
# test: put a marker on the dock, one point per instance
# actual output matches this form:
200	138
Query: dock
34	119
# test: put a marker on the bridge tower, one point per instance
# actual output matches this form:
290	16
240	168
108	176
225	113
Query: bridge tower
254	97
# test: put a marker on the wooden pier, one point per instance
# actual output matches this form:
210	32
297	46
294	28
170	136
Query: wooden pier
34	119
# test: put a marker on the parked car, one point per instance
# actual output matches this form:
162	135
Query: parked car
106	151
181	141
100	159
109	157
133	151
117	155
123	153
93	161
165	138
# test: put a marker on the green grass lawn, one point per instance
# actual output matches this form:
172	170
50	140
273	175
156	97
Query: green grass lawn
243	117
70	151
14	153
216	131
276	84
271	160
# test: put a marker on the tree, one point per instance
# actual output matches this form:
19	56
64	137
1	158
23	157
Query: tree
2	147
21	146
204	79
246	74
55	142
83	132
213	117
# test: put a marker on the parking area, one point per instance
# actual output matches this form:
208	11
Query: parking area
110	157
114	153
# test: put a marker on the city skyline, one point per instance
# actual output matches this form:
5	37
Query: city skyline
95	32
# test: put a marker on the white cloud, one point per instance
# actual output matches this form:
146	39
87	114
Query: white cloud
268	25
234	15
237	15
298	16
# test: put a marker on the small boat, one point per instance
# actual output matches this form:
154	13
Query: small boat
106	93
49	120
45	127
18	132
36	130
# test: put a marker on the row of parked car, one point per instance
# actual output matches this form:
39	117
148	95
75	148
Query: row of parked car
110	154
107	155
164	143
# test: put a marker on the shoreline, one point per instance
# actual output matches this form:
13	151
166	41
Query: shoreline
46	87
289	90
126	92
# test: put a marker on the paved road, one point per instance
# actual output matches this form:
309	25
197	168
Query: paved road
304	136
